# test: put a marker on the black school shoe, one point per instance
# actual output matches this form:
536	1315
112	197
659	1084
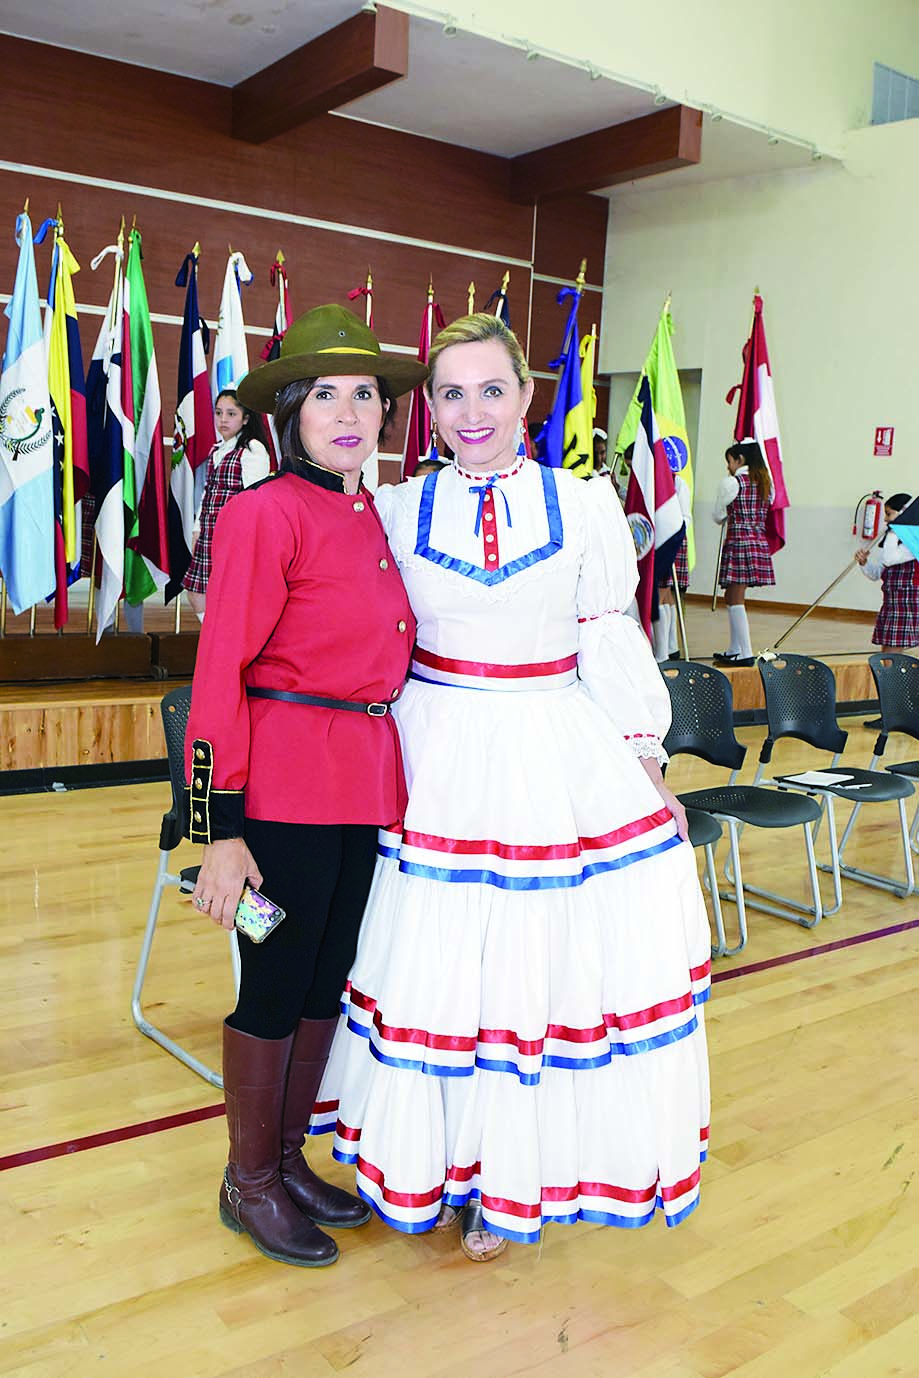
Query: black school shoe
725	658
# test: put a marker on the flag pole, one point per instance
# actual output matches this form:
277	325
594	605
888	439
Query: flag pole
91	600
3	603
32	620
769	653
368	305
680	619
718	566
470	299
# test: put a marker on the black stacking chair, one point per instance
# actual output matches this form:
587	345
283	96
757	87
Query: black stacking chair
174	709
897	680
703	726
801	703
705	832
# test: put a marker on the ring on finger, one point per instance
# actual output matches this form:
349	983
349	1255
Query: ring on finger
200	903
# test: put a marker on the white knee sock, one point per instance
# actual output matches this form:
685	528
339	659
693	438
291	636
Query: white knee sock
740	631
660	632
674	638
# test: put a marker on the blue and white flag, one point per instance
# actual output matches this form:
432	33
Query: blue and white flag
106	439
231	357
26	449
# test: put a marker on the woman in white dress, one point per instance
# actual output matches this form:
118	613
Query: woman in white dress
521	1039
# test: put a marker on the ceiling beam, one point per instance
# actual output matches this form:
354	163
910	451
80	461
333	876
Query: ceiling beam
658	142
358	56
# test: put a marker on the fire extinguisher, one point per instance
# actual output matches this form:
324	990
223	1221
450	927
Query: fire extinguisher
868	517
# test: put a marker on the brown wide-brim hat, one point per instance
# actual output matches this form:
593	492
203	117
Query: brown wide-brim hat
328	341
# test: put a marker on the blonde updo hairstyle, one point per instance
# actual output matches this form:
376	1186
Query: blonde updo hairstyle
477	329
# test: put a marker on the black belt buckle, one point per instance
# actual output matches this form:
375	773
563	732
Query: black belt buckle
377	710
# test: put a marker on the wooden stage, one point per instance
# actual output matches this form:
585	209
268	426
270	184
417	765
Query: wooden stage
103	721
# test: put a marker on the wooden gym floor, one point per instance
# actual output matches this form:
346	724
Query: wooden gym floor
801	1260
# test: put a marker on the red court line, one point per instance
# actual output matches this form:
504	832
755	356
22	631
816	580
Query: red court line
110	1136
210	1112
815	951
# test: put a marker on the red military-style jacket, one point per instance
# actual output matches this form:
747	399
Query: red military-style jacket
304	596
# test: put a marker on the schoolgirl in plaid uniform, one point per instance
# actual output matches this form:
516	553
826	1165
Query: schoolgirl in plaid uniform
897	625
238	460
743	500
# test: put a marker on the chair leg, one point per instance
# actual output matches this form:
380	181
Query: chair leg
720	948
163	879
806	916
914	832
889	883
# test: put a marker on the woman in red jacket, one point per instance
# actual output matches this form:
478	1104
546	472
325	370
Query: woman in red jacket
293	757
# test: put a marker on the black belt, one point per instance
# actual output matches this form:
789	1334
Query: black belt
374	710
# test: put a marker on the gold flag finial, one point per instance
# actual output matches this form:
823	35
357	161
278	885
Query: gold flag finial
25	209
196	251
582	275
280	257
470	299
505	280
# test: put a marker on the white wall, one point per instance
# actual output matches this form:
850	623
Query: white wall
834	250
802	66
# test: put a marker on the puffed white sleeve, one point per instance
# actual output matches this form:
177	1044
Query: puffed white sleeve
615	661
725	494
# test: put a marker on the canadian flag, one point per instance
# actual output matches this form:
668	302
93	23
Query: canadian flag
757	417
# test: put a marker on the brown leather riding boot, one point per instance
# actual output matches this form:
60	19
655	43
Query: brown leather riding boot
323	1203
252	1197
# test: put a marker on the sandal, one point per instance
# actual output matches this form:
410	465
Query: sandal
474	1224
446	1222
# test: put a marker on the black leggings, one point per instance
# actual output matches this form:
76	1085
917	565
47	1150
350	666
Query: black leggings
320	874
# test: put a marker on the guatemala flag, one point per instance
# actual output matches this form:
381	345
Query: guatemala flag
26	451
231	357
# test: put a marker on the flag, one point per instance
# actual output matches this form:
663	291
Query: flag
653	509
146	560
26	449
667	399
419	438
498	304
66	387
284	315
756	416
566	437
106	441
906	526
194	435
367	293
231	356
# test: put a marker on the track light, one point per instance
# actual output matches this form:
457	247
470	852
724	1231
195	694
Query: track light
450	28
659	97
772	138
816	155
593	73
716	116
532	54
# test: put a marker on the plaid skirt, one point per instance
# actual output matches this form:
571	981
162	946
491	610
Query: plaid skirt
223	482
681	566
746	562
898	621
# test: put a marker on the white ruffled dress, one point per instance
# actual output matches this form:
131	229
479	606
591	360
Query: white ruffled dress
523	1021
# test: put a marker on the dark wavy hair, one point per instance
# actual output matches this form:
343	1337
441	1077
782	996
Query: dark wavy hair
750	454
287	420
253	427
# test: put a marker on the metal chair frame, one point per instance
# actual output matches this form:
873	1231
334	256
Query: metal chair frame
825	733
174	709
731	754
893	673
719	949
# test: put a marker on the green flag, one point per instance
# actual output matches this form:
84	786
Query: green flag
667	400
146	561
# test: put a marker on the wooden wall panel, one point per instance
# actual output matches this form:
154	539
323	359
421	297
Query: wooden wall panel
112	120
567	230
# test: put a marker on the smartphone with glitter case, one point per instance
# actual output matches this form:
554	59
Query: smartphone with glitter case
256	915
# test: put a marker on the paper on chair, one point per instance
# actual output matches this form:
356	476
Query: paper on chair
820	778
